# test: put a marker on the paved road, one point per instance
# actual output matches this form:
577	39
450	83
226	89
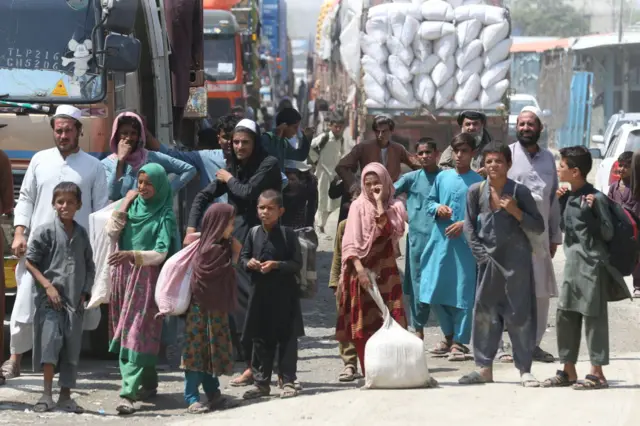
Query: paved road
324	401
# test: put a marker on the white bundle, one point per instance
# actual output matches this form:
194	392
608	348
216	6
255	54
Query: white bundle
399	90
409	9
495	74
421	48
373	49
455	3
493	34
426	66
424	89
397	48
468	53
374	69
474	67
443	71
399	69
437	10
374	90
444	93
498	54
409	31
377	28
468	31
396	104
493	94
433	30
484	13
445	47
468	92
371	103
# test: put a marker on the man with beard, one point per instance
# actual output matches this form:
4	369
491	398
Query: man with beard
472	122
535	167
64	163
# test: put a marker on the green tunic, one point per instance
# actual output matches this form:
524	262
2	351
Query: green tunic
589	279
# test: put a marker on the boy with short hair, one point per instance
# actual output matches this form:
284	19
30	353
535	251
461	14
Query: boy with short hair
271	255
448	278
61	261
590	281
500	219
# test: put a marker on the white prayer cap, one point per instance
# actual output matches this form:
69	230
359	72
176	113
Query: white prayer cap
68	111
532	110
296	165
248	124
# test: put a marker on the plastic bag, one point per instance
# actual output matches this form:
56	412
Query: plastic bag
399	69
469	91
443	71
424	67
468	31
393	357
399	90
374	69
102	247
484	13
494	34
494	74
493	94
445	47
498	54
474	67
468	53
173	288
374	49
350	48
445	93
374	90
437	10
431	30
424	89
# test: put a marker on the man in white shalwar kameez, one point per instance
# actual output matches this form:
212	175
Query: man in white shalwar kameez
64	163
326	151
535	167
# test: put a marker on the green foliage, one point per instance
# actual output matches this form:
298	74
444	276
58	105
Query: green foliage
547	18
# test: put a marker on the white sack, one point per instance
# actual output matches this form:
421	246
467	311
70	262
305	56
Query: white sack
409	31
399	69
445	47
350	49
102	247
377	28
474	67
499	53
496	73
443	71
468	31
374	90
430	30
455	3
397	48
396	104
394	358
484	13
437	10
493	94
469	91
396	21
425	67
445	93
399	90
374	69
494	34
374	49
421	48
468	53
409	9
424	89
370	103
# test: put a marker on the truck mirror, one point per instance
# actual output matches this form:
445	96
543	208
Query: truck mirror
122	54
121	15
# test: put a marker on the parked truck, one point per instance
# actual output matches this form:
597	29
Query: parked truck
116	59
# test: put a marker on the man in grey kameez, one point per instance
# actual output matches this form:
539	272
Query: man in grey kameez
67	263
505	294
535	168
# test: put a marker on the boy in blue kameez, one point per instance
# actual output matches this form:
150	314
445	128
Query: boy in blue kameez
417	185
448	278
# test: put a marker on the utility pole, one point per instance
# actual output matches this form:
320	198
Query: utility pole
620	21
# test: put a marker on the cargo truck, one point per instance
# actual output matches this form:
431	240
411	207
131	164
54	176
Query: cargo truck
273	17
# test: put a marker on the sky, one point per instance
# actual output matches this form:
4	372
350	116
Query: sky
308	10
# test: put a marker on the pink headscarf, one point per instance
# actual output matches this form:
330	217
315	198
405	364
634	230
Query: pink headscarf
361	229
137	158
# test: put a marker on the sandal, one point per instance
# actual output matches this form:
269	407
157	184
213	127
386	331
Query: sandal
125	407
591	382
257	392
44	404
296	384
636	293
197	408
458	353
442	349
70	406
474	378
10	369
560	380
242	381
527	380
348	374
543	356
288	391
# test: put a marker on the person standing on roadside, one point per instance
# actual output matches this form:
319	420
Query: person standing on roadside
6	208
64	163
474	123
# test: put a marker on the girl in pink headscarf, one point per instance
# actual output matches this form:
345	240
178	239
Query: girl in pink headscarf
374	226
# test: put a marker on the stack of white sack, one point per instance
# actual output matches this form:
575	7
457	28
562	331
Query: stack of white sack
450	54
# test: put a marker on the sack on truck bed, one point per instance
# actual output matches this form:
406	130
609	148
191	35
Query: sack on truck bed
431	30
374	69
437	10
397	48
493	94
443	71
494	34
474	67
399	90
500	52
394	358
419	67
422	49
374	90
468	92
399	69
446	46
484	13
424	89
468	53
468	31
445	93
374	49
496	73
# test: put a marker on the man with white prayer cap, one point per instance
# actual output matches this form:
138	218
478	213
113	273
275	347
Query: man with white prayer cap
535	167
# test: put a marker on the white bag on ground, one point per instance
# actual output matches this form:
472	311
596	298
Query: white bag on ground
445	47
443	71
499	53
399	90
494	74
493	94
493	34
394	358
102	247
474	67
445	93
397	48
468	31
374	69
424	89
399	69
374	90
468	53
484	13
469	91
437	10
432	30
421	48
377	28
425	67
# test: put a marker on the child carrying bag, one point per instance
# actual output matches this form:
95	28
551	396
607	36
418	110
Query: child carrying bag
173	289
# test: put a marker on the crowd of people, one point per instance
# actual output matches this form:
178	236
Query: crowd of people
484	223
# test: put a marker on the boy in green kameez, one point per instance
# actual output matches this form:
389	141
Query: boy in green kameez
590	281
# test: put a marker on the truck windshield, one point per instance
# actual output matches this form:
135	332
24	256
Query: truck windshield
220	57
46	51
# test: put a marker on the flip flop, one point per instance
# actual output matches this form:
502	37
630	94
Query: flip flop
197	408
125	407
241	381
458	353
473	378
527	380
44	404
442	349
348	374
69	406
591	382
10	369
288	391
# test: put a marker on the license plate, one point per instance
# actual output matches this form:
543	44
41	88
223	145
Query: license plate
10	264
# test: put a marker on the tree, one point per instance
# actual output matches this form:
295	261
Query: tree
547	18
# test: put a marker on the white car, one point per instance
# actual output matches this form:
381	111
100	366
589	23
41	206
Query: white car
627	138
